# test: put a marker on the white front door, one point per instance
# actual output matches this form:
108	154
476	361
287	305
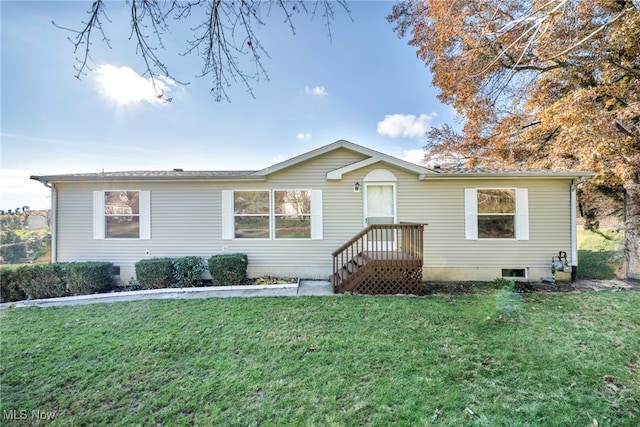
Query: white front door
380	208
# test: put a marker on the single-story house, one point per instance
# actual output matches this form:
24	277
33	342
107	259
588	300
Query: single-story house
304	217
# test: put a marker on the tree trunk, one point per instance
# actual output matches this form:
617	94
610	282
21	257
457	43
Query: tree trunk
631	263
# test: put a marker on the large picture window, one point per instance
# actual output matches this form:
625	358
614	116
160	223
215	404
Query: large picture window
272	214
122	214
496	213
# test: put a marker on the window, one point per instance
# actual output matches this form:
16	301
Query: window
251	214
514	273
292	214
121	214
272	214
496	213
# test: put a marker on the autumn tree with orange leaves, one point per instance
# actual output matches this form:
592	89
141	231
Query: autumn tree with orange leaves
538	84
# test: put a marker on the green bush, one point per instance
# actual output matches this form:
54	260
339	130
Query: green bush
85	278
187	272
228	269
156	273
42	281
10	289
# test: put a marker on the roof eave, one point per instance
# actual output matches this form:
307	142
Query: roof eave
66	179
510	175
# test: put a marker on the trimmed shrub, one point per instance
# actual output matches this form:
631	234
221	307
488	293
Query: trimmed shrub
156	273
187	272
85	278
42	281
10	289
228	269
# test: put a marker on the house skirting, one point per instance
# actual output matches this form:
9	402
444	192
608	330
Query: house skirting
487	274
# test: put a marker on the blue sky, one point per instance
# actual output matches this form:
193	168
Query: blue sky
364	85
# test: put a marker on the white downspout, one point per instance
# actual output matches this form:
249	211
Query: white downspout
574	233
54	221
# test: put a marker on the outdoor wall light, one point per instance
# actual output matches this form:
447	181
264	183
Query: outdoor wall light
356	187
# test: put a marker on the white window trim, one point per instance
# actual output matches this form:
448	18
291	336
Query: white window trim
525	277
269	214
228	216
275	215
99	223
521	214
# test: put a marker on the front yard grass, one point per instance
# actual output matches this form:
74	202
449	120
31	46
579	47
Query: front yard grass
498	360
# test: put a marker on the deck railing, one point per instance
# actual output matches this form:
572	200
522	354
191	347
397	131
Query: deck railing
399	246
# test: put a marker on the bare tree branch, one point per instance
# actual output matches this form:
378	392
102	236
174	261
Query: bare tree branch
83	37
225	38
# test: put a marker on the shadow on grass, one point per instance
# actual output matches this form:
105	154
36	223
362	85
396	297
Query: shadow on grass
599	264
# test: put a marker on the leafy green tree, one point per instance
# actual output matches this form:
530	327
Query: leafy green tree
12	248
539	84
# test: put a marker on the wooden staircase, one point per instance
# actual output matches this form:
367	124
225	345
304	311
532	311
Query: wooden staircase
381	259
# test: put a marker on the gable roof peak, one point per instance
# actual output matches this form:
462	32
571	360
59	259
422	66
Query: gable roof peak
373	156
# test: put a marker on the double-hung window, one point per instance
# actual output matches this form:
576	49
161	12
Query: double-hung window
121	214
496	213
251	211
292	214
272	214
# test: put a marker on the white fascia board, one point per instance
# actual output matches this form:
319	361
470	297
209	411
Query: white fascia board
337	174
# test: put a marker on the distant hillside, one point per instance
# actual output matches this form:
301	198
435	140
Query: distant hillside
25	236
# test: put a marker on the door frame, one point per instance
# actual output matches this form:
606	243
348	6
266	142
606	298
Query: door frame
365	199
391	241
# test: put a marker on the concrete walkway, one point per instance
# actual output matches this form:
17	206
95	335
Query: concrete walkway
305	288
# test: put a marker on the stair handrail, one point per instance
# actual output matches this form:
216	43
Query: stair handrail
351	241
370	227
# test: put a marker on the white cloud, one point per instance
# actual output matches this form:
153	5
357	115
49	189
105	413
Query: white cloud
303	136
17	190
405	125
316	91
126	86
414	156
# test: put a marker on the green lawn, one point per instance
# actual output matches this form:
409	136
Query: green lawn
495	360
600	254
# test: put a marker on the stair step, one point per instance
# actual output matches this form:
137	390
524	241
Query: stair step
343	274
351	267
360	260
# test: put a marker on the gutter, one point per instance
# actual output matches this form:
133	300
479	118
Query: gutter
574	232
72	178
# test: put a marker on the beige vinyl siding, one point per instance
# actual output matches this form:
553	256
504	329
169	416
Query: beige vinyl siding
186	219
446	249
448	255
